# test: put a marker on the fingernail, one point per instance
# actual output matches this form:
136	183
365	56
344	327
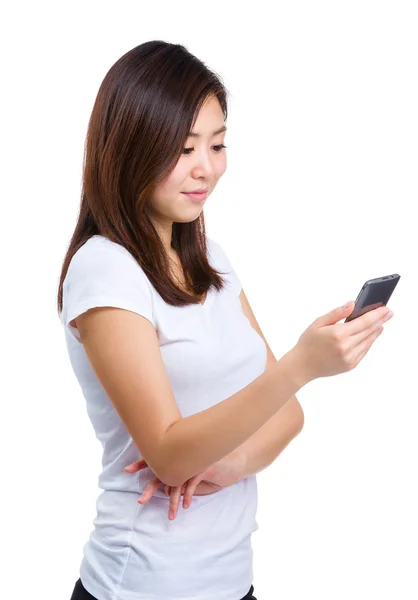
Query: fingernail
171	515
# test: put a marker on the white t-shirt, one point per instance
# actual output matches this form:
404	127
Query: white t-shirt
210	352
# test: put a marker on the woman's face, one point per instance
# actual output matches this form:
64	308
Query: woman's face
201	165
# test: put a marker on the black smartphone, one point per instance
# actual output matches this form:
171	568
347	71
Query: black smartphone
373	294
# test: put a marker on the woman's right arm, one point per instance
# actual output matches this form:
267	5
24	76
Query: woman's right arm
197	441
123	350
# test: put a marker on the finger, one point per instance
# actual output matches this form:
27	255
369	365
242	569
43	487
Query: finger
131	468
188	495
364	335
362	349
174	502
168	489
365	321
136	466
149	490
190	490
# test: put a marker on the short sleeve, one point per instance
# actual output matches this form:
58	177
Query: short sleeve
223	263
103	273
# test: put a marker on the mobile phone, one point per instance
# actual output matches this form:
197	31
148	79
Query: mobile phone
374	293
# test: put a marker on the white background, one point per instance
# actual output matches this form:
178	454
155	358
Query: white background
319	196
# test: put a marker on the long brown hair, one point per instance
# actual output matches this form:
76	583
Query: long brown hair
144	111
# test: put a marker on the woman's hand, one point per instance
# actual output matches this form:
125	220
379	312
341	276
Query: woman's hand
221	474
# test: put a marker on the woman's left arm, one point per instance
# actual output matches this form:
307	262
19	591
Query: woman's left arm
265	445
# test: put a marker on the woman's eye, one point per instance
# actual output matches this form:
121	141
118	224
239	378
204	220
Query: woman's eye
217	149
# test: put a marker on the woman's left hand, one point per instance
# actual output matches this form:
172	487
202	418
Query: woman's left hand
221	474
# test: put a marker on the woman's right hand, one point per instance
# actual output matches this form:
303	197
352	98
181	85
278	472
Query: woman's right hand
328	348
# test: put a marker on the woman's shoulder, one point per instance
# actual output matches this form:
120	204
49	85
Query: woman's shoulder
101	244
99	247
100	258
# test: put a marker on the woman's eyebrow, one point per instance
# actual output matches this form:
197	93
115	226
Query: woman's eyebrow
194	134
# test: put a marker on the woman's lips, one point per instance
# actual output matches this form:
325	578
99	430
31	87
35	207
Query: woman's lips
197	197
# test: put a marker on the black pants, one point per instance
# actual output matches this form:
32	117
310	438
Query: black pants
80	593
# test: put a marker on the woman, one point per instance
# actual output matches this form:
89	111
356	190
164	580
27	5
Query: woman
173	373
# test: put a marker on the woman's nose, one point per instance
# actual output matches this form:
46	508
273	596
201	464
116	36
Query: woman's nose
203	168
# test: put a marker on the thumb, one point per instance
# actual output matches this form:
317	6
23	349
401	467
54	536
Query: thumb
335	315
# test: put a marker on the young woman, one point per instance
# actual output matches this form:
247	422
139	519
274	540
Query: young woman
178	379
